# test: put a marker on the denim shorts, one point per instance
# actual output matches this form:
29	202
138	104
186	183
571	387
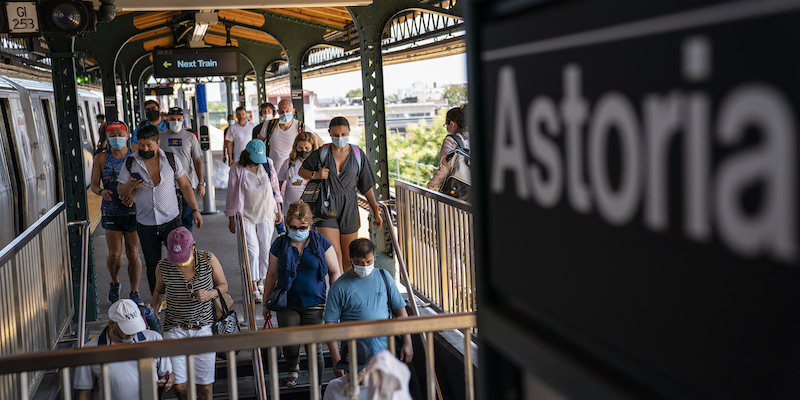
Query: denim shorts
119	223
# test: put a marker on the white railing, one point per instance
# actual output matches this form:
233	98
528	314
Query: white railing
435	234
36	303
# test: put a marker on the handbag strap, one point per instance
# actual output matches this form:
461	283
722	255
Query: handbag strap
222	303
388	301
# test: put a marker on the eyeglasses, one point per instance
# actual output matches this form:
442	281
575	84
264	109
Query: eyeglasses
190	288
298	228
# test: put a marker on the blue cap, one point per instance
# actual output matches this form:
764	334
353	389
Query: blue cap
257	150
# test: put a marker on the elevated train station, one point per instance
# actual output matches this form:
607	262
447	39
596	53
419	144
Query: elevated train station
632	231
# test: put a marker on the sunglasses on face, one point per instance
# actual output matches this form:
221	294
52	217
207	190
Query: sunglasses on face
298	228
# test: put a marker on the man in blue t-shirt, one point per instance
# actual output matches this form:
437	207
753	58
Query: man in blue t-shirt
152	113
361	294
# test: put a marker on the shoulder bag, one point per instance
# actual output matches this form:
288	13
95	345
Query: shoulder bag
276	301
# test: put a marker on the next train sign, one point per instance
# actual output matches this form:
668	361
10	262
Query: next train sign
199	62
642	159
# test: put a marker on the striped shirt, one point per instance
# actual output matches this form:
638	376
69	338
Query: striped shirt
155	205
182	309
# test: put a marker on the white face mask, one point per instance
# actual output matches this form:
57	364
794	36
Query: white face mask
363	271
231	122
266	117
175	126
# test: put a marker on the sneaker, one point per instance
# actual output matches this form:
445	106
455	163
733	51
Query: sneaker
113	292
136	299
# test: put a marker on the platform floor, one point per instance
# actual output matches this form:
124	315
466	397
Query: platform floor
214	236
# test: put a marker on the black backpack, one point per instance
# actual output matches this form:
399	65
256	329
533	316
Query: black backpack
271	124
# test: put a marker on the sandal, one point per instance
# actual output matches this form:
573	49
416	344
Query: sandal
291	381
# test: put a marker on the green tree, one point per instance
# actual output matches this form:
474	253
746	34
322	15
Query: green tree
420	144
357	93
455	95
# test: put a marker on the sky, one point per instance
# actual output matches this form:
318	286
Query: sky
443	71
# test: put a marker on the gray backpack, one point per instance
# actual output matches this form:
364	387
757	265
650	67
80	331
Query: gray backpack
458	183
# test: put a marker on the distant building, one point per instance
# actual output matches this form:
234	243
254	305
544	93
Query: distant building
422	92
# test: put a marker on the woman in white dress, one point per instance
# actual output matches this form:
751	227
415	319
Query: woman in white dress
288	173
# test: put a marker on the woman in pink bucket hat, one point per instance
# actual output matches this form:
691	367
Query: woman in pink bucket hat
190	279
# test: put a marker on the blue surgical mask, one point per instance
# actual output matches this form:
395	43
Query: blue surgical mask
231	122
286	118
340	141
117	142
298	236
363	270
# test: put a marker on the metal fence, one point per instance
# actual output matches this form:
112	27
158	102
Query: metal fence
18	366
36	303
435	234
421	176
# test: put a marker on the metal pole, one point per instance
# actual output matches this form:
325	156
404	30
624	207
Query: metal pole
233	387
209	201
84	278
258	361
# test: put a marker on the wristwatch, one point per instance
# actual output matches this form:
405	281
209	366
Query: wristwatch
201	183
313	173
196	209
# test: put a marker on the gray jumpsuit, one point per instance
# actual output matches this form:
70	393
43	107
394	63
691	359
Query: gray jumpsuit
343	188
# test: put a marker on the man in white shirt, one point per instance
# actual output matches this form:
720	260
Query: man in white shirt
279	136
125	325
238	135
186	148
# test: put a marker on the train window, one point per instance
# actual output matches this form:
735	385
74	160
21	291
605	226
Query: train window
10	163
91	117
51	134
82	123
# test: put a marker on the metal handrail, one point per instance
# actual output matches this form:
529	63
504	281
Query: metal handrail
289	336
84	227
432	194
145	352
437	238
249	306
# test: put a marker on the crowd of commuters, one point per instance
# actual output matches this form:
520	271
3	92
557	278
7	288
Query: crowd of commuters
150	191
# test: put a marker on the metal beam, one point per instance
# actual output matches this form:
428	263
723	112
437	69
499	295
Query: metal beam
62	55
138	5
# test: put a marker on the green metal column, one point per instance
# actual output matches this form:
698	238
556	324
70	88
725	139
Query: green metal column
228	101
296	79
240	83
370	23
62	53
126	95
110	108
138	102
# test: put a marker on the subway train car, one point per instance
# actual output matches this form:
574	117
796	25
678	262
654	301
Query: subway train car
30	180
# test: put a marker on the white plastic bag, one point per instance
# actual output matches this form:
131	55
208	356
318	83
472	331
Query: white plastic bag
221	171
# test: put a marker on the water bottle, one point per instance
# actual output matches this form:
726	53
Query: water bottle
152	319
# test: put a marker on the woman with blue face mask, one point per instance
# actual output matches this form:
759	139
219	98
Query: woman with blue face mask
299	262
119	212
347	169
